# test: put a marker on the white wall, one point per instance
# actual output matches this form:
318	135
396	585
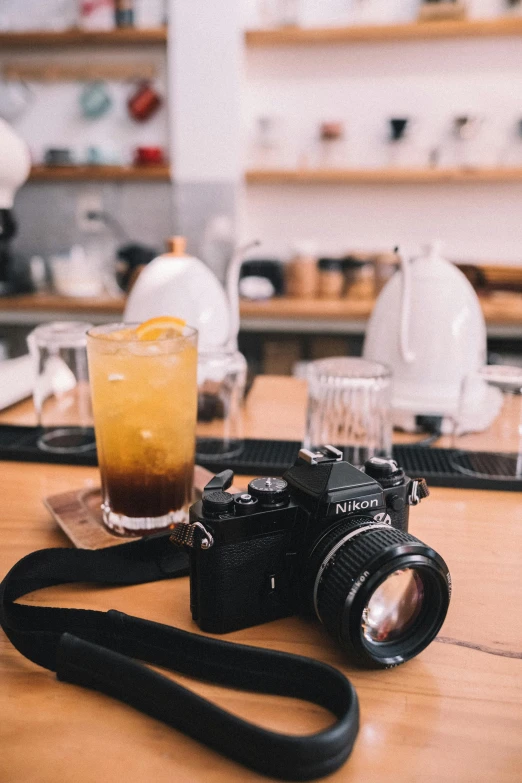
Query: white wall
363	85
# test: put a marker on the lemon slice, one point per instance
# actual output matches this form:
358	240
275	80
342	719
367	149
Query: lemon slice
162	327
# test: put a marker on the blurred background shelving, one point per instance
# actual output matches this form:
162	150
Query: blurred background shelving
407	31
384	176
67	38
99	173
302	77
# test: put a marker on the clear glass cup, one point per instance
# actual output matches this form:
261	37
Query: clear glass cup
349	408
487	431
144	400
61	392
221	391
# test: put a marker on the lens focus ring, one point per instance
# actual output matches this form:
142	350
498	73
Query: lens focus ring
349	565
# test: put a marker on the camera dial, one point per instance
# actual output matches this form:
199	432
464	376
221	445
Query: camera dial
245	504
269	491
217	502
385	471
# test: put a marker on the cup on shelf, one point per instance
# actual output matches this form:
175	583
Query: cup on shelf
402	148
349	407
124	13
59	156
144	102
15	99
149	156
95	100
61	392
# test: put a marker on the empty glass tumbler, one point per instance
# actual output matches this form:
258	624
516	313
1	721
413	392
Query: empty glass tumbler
61	395
487	434
349	407
221	390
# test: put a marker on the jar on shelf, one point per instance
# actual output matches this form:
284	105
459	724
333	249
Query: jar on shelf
302	272
268	149
359	276
511	155
331	146
331	278
465	147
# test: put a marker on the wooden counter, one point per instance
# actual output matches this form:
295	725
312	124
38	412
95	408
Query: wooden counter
452	714
502	311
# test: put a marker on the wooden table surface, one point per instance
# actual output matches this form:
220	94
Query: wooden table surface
452	714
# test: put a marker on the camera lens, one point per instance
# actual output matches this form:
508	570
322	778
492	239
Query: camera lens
380	592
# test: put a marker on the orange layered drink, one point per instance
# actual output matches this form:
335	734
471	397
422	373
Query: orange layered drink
144	397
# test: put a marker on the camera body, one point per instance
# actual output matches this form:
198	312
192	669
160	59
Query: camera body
255	556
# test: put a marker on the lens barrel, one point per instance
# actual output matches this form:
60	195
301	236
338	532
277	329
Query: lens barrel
380	592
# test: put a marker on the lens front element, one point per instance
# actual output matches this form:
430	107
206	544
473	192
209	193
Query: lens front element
394	606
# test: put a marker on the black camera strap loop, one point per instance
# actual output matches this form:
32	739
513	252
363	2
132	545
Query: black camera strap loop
97	650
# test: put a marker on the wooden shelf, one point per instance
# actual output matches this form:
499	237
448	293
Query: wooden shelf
104	173
381	176
500	308
410	31
120	37
61	304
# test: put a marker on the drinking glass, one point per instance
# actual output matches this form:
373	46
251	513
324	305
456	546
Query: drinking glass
349	408
221	391
61	392
144	401
487	433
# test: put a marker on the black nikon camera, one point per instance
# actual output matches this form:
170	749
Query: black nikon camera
326	539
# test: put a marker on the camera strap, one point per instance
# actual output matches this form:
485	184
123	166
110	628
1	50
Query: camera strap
105	651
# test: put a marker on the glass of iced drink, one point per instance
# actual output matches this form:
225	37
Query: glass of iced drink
144	395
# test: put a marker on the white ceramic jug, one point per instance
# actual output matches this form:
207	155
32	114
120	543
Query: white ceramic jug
428	327
183	286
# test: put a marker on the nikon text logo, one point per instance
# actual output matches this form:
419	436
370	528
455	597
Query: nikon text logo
349	506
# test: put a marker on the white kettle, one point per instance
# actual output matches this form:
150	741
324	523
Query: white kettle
428	327
183	286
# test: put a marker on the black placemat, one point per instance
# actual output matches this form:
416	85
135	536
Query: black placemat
440	467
